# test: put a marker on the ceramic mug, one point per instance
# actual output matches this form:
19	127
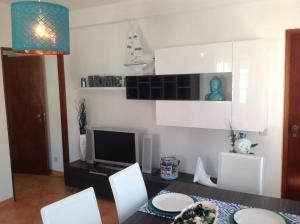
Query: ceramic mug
169	168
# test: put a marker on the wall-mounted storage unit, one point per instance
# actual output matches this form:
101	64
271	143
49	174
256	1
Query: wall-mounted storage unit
194	114
163	87
240	65
249	99
209	58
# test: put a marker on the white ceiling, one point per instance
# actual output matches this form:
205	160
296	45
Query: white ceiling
75	4
83	4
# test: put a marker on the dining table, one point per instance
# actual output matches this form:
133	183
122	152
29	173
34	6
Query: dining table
251	200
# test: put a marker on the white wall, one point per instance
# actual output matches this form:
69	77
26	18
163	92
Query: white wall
72	102
100	49
53	114
5	169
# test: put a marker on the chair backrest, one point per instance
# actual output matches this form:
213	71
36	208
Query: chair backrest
243	173
129	191
80	208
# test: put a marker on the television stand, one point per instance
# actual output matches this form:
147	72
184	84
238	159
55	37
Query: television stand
82	175
109	166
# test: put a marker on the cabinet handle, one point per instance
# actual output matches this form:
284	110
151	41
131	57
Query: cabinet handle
98	173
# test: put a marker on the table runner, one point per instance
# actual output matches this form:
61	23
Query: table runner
226	209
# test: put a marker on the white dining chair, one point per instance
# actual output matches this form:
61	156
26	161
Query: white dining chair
243	173
79	208
129	191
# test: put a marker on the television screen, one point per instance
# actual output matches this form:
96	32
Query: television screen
116	147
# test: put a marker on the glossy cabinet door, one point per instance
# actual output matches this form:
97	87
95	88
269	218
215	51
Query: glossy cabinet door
249	99
210	58
195	114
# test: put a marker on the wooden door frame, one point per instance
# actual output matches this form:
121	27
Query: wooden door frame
63	108
62	100
288	42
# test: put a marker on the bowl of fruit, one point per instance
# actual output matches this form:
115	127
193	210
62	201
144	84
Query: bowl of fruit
203	212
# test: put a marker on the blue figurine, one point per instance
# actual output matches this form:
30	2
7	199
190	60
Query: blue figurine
215	87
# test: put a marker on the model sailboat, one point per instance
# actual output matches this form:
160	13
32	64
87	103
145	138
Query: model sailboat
135	56
135	51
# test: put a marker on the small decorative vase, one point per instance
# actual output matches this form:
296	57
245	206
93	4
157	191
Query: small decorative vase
243	146
82	147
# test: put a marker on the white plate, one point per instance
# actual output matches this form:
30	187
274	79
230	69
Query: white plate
256	215
172	202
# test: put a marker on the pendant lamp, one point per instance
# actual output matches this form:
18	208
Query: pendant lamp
40	28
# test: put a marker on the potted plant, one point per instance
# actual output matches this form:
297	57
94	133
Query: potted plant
82	121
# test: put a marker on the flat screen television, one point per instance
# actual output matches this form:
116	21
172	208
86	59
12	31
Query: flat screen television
115	147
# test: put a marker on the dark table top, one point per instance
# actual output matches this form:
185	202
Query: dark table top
274	204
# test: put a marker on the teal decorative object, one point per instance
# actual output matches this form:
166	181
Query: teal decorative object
40	28
215	87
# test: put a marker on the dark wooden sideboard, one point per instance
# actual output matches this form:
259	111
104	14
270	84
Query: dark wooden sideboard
82	175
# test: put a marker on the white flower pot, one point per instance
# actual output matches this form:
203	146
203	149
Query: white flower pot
82	147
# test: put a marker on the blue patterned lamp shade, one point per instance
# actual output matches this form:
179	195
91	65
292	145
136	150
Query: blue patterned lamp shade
40	28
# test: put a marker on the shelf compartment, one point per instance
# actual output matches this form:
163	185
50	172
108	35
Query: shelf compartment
144	91
156	81
183	80
144	79
156	93
154	87
170	91
226	88
131	81
132	93
170	78
184	94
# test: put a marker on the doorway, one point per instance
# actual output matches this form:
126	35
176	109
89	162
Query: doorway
291	135
24	88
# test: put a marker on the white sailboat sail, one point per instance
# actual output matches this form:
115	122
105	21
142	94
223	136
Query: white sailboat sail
135	51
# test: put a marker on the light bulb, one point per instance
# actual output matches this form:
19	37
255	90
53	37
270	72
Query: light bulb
40	30
43	32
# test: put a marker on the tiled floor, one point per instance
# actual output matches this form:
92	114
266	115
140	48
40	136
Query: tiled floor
34	192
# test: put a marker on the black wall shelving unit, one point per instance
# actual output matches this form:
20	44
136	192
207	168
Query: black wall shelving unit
163	87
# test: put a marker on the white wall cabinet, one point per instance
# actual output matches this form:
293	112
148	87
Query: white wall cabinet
246	60
249	89
210	58
195	114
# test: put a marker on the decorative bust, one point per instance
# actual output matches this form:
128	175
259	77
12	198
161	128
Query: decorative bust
215	87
